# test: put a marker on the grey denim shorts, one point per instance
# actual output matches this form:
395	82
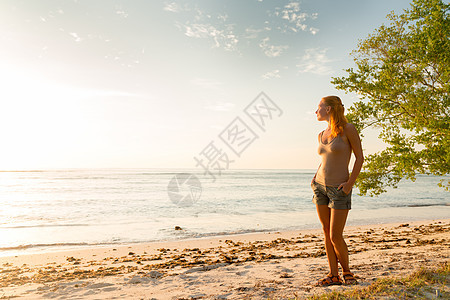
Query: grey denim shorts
331	196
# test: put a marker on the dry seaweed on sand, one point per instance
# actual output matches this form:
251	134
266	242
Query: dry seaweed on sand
425	283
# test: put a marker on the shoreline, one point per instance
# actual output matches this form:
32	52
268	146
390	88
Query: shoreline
363	218
277	264
214	239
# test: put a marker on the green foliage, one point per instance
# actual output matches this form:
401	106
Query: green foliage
402	75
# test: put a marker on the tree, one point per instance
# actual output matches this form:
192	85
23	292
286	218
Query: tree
402	77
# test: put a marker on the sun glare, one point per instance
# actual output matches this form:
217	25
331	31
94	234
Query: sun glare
38	117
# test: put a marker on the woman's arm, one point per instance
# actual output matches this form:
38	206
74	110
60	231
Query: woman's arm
314	178
355	142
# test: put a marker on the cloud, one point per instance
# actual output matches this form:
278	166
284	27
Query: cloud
217	26
172	7
315	61
294	19
271	50
122	13
200	24
251	33
313	30
223	17
75	36
271	74
221	38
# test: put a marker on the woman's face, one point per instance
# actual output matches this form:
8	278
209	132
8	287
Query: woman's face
322	111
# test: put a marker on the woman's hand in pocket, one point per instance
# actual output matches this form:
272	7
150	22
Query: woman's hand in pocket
346	187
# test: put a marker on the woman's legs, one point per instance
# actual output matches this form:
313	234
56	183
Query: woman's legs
333	223
337	224
324	213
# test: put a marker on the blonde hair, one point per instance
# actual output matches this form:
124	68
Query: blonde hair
337	117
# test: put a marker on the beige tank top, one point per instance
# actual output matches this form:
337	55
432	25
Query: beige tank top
335	159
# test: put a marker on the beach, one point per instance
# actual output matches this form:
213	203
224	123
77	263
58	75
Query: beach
275	265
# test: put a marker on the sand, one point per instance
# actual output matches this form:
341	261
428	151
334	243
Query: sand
279	265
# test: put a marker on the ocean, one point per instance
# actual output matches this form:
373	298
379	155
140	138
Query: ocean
48	210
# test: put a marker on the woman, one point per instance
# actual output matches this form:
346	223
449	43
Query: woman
332	184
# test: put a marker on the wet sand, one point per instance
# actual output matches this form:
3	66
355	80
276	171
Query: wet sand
279	265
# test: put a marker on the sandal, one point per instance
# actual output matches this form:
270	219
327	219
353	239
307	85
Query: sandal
330	280
349	278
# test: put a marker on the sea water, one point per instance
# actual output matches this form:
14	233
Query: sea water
52	209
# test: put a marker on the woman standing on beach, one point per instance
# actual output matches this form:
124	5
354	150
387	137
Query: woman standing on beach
332	184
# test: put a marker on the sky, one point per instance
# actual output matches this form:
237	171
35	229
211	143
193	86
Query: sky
174	84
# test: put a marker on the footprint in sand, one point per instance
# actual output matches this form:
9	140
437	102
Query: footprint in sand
138	279
241	273
286	270
99	285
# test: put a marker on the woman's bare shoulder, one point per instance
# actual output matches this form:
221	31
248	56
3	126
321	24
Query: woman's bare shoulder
351	132
349	128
